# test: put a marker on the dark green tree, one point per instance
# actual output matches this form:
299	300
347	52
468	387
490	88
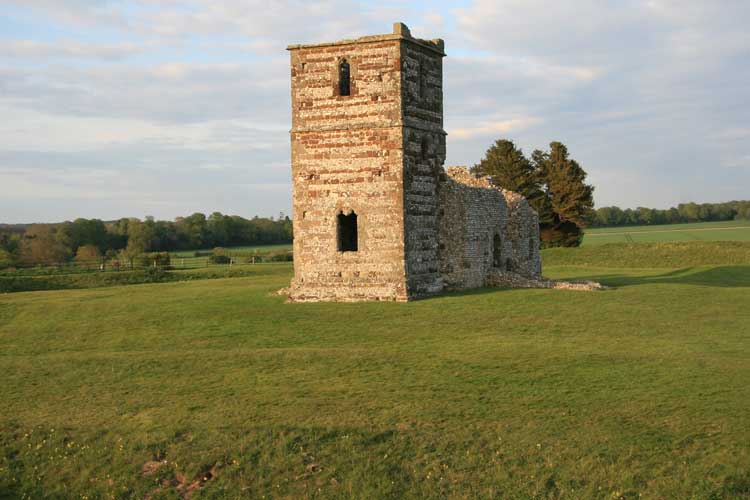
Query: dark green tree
83	232
507	167
552	182
219	229
568	205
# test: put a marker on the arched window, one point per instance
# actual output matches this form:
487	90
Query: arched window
347	232
344	78
497	251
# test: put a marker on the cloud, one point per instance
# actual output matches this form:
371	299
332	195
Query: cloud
176	92
495	128
638	90
61	194
733	133
67	48
175	105
77	13
149	176
737	162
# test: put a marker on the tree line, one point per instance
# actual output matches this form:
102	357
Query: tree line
127	238
684	212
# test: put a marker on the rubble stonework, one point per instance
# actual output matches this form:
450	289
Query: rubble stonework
375	156
484	231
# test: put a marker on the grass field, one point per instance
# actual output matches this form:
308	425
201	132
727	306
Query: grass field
245	249
218	387
738	230
21	283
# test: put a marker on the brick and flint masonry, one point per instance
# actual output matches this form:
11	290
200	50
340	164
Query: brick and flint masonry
375	214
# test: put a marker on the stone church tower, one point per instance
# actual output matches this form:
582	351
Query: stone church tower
368	148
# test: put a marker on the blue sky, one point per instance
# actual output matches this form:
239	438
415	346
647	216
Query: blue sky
114	109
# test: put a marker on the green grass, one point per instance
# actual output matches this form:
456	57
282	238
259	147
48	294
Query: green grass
242	249
24	283
642	390
651	255
738	230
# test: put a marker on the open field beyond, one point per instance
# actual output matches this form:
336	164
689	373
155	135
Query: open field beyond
261	249
738	230
218	387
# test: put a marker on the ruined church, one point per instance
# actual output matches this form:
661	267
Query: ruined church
376	216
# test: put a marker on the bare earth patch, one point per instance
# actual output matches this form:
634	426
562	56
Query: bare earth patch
178	481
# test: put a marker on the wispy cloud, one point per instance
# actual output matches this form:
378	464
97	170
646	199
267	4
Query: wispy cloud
179	105
494	129
737	162
67	48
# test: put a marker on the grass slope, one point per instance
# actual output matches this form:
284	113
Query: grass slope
640	390
738	230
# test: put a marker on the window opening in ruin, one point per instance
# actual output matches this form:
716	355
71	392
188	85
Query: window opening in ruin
497	251
344	78
347	232
531	248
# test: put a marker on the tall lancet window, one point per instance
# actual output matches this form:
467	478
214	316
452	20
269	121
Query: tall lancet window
497	251
344	78
347	232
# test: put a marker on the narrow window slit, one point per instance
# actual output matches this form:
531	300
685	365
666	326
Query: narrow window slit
347	232
497	251
344	78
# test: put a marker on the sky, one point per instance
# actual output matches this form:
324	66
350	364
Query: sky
125	109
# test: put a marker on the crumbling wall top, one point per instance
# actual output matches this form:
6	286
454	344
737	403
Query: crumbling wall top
463	175
400	32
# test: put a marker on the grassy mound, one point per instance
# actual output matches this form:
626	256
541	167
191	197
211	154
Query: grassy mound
651	255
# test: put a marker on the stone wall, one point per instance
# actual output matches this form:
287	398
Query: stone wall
354	154
378	153
344	172
424	154
347	157
521	235
484	231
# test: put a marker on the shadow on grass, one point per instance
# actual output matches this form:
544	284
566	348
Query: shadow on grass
722	276
464	293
